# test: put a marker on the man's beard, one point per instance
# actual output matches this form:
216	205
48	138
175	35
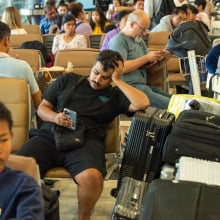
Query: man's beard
138	39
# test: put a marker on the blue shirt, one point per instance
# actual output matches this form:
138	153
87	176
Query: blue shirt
20	196
45	25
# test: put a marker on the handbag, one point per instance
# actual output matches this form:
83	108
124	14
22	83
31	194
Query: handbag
67	139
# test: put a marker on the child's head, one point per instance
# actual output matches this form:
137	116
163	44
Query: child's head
6	124
62	9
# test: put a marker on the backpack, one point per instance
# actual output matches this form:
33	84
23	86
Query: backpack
166	8
51	203
190	35
37	45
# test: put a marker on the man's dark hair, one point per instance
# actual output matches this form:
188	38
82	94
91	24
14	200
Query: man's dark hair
200	2
180	9
4	30
5	115
76	8
109	59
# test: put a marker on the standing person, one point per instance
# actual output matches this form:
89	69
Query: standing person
97	103
11	67
138	61
121	21
21	196
69	39
50	18
152	7
169	22
11	16
82	26
98	21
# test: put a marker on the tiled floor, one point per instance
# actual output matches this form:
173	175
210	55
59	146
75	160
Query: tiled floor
68	200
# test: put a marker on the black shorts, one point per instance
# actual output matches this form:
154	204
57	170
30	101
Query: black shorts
42	148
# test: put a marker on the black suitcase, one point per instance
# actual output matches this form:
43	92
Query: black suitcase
183	200
148	129
195	134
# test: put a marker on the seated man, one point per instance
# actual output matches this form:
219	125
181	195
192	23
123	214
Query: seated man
11	67
21	196
97	103
138	62
169	22
49	19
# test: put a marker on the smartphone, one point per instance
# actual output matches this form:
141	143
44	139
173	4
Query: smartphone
72	115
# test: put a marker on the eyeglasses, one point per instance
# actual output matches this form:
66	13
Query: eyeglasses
143	30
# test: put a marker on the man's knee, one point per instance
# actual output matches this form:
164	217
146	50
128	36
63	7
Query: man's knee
91	176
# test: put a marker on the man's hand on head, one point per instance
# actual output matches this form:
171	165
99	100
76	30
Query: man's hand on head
118	71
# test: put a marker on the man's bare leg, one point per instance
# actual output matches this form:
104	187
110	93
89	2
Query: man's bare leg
89	189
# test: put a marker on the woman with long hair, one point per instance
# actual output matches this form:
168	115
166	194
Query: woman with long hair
98	21
11	16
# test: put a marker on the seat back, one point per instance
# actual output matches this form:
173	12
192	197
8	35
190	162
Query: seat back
82	59
31	56
95	40
14	93
157	40
32	28
27	165
18	39
48	41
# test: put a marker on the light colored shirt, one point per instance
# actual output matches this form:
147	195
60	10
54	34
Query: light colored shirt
78	41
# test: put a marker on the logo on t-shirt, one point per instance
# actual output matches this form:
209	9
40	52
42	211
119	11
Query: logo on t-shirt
103	99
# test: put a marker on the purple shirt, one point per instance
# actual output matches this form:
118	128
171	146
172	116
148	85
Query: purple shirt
108	37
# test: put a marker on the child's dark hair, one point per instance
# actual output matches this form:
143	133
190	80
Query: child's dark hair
109	59
5	115
103	19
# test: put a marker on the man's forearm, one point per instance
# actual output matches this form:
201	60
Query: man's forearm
137	98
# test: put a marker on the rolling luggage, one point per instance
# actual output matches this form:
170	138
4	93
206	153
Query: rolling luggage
195	134
129	199
148	129
172	200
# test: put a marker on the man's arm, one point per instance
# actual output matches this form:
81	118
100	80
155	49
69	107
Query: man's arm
138	99
148	59
36	97
46	113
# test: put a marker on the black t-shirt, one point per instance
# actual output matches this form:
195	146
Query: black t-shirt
99	107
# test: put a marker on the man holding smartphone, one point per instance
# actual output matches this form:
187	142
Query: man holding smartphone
97	103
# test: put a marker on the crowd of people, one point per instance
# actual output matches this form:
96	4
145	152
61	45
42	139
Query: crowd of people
124	59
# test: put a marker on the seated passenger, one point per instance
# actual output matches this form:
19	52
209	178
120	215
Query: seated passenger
21	196
82	26
121	20
98	21
138	61
169	22
69	39
97	103
11	67
50	18
11	16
